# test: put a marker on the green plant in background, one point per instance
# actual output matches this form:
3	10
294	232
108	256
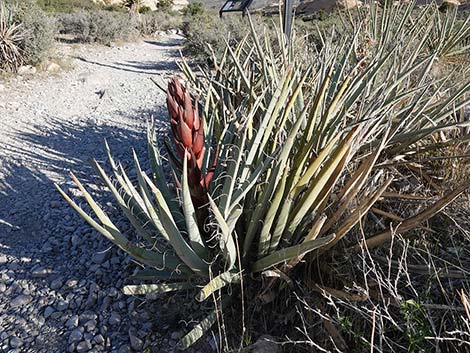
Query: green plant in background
98	26
307	143
193	9
417	325
67	6
165	5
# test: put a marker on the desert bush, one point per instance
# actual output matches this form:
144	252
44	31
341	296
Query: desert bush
165	5
67	6
155	21
116	7
193	9
145	10
98	26
277	166
208	29
39	29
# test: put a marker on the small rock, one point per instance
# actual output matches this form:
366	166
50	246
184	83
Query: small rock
3	287
114	319
136	342
75	336
72	322
71	283
3	259
175	335
57	283
62	305
21	300
48	311
52	67
90	325
99	339
15	342
76	240
26	70
83	346
100	257
124	349
40	272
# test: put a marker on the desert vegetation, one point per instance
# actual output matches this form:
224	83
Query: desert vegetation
312	190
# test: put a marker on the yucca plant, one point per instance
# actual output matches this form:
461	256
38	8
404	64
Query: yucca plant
12	35
305	150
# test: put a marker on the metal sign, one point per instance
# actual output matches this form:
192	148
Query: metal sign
242	6
235	6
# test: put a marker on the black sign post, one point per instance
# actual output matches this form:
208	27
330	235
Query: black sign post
242	6
287	18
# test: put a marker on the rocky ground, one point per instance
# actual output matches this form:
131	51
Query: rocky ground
60	281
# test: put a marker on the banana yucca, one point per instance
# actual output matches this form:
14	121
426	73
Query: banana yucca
305	150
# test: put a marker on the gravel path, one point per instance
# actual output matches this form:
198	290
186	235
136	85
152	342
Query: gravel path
59	280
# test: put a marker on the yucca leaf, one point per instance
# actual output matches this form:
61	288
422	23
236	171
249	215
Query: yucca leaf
182	249
144	289
311	195
289	253
122	203
192	227
217	283
142	255
151	274
200	329
227	244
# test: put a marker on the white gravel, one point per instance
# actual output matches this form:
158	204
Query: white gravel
60	282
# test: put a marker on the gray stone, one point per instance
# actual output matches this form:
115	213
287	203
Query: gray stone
3	259
175	335
99	339
57	283
72	322
71	283
114	319
76	240
100	257
40	272
52	67
3	287
90	325
124	349
48	311
87	315
62	305
75	336
83	346
21	300
15	342
26	70
136	342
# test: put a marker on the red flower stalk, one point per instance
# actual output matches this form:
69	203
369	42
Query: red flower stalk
187	126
